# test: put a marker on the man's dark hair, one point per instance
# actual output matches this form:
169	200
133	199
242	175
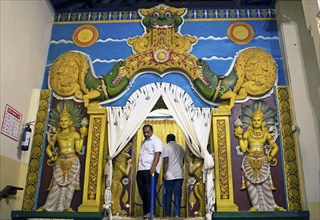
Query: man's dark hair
171	137
150	126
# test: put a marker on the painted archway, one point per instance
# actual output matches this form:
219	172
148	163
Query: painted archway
162	51
195	123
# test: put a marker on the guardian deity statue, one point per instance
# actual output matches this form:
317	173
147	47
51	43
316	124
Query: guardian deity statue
195	165
256	162
64	145
121	169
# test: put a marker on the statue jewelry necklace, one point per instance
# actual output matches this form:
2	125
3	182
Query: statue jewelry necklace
65	135
256	134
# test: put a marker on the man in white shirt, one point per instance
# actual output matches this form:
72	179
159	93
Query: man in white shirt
149	163
173	159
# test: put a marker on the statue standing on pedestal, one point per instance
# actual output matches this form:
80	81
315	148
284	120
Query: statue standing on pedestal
256	162
64	145
121	169
195	165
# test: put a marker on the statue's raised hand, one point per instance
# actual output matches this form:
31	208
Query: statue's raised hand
238	132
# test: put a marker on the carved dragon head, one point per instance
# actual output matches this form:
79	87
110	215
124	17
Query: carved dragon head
117	72
208	77
162	16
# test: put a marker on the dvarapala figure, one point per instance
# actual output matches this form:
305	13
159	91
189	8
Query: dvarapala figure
64	144
256	162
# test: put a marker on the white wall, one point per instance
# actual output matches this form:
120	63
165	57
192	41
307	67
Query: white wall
25	34
312	10
304	79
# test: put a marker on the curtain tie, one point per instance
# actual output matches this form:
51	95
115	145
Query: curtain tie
107	167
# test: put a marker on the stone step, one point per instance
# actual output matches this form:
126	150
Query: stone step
156	218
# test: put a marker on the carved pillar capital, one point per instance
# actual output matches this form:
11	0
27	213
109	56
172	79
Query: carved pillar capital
221	111
96	109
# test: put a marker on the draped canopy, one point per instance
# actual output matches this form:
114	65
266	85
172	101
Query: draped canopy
194	122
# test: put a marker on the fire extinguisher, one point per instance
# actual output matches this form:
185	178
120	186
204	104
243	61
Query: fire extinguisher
26	136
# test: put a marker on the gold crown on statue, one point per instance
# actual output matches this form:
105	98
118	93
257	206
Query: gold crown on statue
258	112
65	113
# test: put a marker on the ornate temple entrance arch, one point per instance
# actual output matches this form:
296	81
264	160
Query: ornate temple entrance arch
123	123
195	123
161	49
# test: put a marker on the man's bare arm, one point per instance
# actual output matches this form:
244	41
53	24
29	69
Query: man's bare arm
155	162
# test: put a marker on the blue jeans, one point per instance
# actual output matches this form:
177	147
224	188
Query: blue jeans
175	187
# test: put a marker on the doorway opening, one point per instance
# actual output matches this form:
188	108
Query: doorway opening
148	105
163	124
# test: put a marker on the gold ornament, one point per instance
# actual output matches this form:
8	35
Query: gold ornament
258	112
240	33
256	70
67	74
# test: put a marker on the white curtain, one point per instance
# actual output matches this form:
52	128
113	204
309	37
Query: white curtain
124	122
195	123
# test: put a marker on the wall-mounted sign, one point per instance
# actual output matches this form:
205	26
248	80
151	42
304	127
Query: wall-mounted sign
11	123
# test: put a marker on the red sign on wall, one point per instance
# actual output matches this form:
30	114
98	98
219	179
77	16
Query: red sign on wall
11	123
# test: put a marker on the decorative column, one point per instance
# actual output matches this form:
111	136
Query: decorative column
94	181
289	150
33	176
222	157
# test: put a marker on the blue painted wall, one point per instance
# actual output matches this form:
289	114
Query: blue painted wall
209	26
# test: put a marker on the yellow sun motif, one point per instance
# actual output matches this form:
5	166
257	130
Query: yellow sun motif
240	33
85	36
